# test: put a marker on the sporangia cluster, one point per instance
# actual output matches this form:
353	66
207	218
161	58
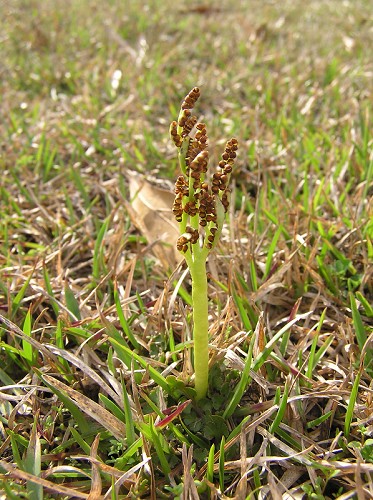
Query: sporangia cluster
196	200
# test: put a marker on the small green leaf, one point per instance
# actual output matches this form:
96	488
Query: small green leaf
215	427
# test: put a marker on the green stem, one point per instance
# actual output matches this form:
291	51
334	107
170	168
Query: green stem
182	154
200	324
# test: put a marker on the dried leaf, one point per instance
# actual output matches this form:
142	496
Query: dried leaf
171	416
87	370
95	411
189	490
96	484
152	214
59	489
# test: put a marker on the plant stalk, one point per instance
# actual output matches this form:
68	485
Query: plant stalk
199	208
200	325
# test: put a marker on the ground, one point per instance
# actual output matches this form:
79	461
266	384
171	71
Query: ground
96	306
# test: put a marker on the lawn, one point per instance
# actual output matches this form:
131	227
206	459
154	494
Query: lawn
98	396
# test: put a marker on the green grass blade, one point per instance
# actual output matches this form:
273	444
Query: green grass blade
358	324
361	334
16	302
130	427
271	250
320	353
351	404
242	384
156	376
155	437
276	222
112	407
15	442
59	340
123	322
124	354
318	421
49	290
81	442
261	358
32	464
286	438
10	495
27	349
97	258
72	304
253	276
242	311
281	411
187	298
121	462
366	304
325	273
193	437
222	464
210	464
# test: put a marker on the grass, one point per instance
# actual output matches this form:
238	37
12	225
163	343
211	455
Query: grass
96	348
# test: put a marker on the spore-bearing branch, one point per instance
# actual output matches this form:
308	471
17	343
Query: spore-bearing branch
197	203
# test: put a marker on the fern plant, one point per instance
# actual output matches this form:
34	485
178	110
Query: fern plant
201	201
